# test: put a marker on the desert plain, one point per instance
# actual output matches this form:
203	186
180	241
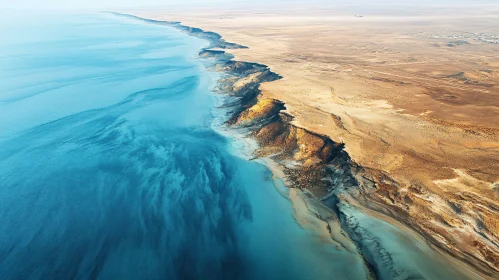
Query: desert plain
411	90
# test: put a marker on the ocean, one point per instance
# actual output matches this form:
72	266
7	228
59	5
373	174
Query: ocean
113	166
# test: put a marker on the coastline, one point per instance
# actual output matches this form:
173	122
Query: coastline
257	123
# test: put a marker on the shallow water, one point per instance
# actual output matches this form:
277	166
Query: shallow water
394	253
110	167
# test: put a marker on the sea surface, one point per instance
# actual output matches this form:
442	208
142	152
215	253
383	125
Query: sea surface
112	166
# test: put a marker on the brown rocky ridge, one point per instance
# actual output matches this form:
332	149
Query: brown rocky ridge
308	158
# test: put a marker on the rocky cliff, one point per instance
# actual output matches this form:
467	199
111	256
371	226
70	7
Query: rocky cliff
463	227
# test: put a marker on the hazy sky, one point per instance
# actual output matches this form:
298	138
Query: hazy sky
101	4
80	4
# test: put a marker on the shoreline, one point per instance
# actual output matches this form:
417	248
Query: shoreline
273	111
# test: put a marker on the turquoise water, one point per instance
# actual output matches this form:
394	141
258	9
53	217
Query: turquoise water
110	167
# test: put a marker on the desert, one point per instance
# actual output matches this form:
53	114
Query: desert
410	93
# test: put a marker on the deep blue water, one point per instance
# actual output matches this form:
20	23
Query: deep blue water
110	167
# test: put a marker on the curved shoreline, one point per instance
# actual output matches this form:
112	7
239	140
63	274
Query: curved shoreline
328	151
